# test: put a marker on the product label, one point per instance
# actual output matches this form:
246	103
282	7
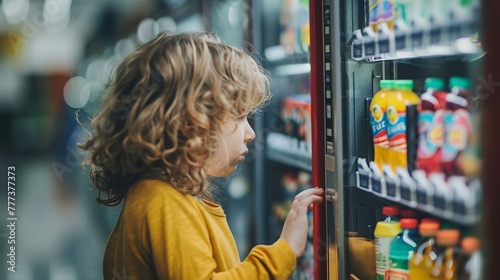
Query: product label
457	127
430	130
397	274
402	9
378	122
373	11
382	246
396	130
385	10
398	269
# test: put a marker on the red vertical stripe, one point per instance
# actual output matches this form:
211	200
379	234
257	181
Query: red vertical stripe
318	124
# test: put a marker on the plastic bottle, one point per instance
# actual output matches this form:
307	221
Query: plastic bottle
421	263
430	125
457	125
472	268
385	231
402	249
402	96
445	266
378	122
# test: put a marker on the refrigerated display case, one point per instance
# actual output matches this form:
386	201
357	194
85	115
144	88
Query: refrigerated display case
283	144
355	45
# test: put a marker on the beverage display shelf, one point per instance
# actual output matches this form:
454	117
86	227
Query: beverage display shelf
459	204
289	158
407	43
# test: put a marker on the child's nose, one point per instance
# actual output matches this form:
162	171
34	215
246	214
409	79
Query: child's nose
249	133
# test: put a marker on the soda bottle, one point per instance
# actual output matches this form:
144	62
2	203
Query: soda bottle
430	125
402	96
421	263
457	125
385	231
378	122
445	266
402	249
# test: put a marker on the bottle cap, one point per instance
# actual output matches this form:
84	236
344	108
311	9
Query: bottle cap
390	210
447	237
404	84
408	213
428	228
434	83
408	223
459	82
470	244
387	84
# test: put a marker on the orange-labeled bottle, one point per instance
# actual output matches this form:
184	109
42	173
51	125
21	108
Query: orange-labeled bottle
421	262
445	266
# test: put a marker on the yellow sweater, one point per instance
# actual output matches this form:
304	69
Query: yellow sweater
163	234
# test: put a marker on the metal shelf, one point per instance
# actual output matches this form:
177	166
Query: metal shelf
289	150
465	210
288	158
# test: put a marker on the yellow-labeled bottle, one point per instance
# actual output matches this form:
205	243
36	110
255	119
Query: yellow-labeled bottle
422	261
378	122
445	266
385	231
402	96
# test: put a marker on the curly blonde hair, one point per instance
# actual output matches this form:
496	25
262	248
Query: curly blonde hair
161	116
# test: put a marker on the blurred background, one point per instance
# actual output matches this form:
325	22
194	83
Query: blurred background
55	59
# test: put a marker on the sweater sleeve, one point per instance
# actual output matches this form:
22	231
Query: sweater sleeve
181	247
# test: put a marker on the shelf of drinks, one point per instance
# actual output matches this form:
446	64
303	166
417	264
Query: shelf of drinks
420	43
277	55
289	151
455	199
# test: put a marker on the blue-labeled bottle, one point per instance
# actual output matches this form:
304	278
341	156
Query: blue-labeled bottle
402	248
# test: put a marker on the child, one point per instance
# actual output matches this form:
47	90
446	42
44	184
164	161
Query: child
176	115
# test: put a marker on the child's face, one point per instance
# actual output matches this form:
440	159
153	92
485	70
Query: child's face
235	134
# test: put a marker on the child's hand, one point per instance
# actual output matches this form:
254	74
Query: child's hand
295	228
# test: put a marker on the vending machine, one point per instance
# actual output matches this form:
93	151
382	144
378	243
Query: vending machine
398	96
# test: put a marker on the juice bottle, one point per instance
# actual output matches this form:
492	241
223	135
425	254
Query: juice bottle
421	263
457	125
378	122
396	117
472	267
430	125
445	266
385	231
402	249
